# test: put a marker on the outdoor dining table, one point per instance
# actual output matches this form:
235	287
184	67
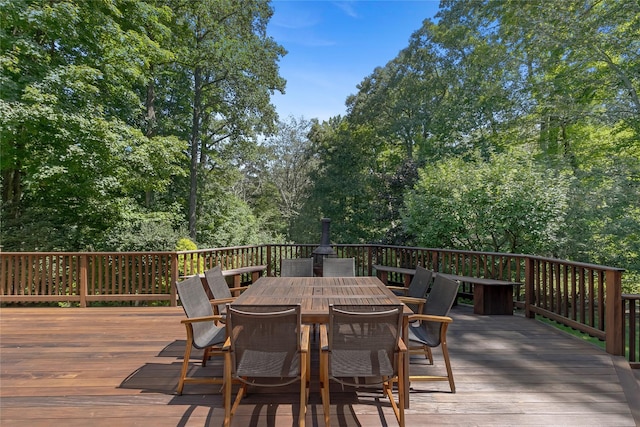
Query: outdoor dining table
315	294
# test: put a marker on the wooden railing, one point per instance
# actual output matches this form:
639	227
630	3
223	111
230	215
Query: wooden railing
631	331
582	296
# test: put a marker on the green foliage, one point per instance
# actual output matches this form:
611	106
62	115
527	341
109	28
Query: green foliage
157	231
98	103
186	244
503	125
345	185
506	204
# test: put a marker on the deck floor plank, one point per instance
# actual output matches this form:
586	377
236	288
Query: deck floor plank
106	366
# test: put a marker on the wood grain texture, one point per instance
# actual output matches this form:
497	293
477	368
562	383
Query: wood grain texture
120	366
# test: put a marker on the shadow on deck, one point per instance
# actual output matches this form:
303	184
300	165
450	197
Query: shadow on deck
120	366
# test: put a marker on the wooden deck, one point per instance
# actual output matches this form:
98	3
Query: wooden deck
120	366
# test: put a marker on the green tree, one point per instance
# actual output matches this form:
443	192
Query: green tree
226	68
506	204
72	157
288	165
345	185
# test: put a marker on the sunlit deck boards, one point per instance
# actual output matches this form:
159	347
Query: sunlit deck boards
119	366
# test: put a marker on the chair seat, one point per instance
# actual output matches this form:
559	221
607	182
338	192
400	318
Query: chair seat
417	334
210	338
268	364
360	363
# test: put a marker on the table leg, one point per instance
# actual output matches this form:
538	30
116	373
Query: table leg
405	338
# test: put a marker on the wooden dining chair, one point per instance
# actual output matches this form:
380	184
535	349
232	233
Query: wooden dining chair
338	267
363	342
429	329
203	332
298	267
268	346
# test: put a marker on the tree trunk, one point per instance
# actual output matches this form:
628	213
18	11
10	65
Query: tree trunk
195	144
151	123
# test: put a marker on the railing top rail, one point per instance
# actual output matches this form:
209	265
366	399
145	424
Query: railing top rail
226	248
90	253
440	250
576	263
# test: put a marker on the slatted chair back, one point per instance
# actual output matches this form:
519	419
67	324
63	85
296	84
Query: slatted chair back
338	267
299	267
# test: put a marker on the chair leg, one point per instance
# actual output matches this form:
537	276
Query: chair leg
447	363
397	406
304	387
401	388
205	356
227	389
324	387
242	392
185	366
428	354
229	410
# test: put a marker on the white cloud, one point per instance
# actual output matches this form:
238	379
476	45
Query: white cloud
348	7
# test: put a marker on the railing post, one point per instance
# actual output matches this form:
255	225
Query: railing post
529	287
174	279
614	313
269	269
82	285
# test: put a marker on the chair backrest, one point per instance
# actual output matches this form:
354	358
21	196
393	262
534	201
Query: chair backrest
217	285
300	267
265	340
363	341
441	297
339	267
195	303
420	283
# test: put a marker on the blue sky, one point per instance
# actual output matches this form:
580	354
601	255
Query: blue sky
333	45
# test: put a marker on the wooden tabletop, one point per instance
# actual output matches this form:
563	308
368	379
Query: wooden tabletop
315	294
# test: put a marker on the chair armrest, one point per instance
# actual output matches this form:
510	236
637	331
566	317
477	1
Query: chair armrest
402	347
202	319
222	301
398	288
420	302
429	318
324	338
305	345
227	345
412	300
